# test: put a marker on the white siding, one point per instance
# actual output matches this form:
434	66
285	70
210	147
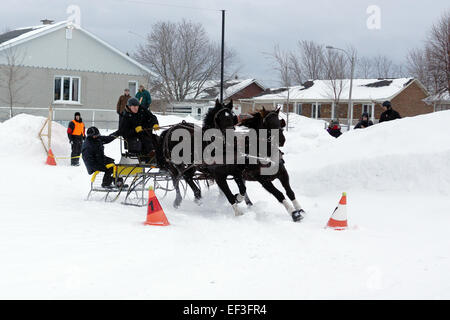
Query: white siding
82	53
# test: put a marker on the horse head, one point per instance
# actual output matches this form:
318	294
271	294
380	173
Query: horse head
220	117
267	119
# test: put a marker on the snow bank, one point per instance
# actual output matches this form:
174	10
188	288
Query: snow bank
19	139
411	154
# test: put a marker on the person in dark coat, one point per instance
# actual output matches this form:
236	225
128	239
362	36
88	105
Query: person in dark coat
94	157
364	122
334	129
122	103
389	113
76	135
136	128
144	97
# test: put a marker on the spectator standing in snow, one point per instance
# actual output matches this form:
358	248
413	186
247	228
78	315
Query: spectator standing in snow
364	122
389	113
122	103
94	156
144	97
334	129
76	134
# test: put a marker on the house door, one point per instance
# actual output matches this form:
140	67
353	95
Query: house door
132	85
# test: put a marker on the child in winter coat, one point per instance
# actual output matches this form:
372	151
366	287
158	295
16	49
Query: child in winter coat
334	129
94	157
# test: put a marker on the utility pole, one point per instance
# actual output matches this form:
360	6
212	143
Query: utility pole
222	58
351	57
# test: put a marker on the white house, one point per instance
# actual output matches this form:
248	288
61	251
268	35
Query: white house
69	67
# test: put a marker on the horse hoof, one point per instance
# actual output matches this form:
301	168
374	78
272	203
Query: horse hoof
239	198
297	215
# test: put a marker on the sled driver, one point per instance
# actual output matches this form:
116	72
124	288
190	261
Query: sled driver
136	128
94	157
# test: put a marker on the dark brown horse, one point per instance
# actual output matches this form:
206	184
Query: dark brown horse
269	120
220	117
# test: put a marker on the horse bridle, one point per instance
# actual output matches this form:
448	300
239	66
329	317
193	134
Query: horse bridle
223	110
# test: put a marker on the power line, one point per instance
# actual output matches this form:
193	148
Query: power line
167	5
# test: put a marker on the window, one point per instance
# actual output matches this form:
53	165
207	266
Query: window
67	89
133	86
298	109
367	108
199	111
315	111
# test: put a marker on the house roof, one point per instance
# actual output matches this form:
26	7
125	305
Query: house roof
18	36
211	89
322	90
442	97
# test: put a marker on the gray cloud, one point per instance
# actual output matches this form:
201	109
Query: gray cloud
252	27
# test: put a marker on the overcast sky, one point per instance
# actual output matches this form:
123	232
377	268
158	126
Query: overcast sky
252	26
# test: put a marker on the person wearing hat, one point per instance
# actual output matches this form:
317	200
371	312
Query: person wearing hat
76	134
334	129
364	122
122	102
136	128
94	157
389	113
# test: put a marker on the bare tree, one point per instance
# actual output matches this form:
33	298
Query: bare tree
438	51
335	67
365	68
182	58
382	66
282	65
12	77
431	64
307	62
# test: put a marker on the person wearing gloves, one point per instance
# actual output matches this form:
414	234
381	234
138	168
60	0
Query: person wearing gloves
94	157
136	128
76	134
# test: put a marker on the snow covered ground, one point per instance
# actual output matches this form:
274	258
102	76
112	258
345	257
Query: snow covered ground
56	245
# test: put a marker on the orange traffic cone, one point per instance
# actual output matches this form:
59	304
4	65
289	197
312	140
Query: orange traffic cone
155	213
338	220
50	158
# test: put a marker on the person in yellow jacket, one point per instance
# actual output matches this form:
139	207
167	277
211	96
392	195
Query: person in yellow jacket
76	134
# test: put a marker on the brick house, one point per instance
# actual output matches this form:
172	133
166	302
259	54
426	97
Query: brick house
198	104
326	99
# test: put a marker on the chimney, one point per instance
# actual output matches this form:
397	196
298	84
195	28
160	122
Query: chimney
47	21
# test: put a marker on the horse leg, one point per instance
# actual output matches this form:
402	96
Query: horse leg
223	185
241	185
284	179
268	185
248	202
194	187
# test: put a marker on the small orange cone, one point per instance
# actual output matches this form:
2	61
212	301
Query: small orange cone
50	158
155	213
338	220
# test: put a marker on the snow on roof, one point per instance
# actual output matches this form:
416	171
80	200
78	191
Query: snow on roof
442	97
363	89
36	31
211	89
22	34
